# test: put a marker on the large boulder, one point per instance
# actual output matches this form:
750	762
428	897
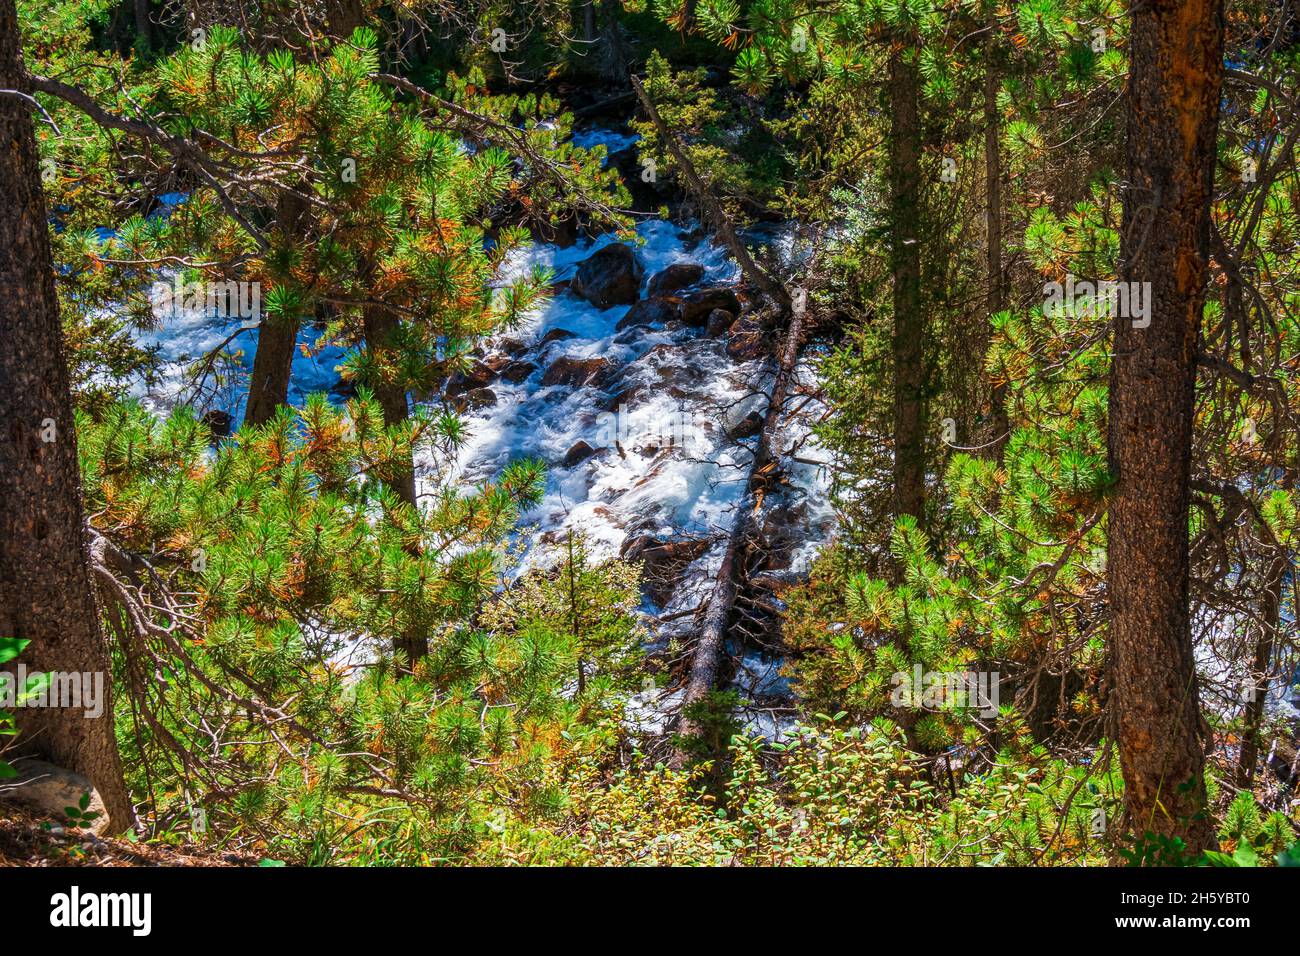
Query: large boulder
610	276
576	372
657	311
479	375
474	399
48	789
696	306
676	276
718	322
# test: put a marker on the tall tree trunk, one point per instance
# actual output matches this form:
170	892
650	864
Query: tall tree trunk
1173	110
344	17
46	589
614	54
909	321
999	424
268	388
379	325
144	22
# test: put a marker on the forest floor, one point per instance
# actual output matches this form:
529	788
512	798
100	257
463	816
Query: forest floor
25	841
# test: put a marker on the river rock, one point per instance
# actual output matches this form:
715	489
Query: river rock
555	335
576	372
656	311
474	399
577	454
479	375
623	397
696	306
516	372
718	322
676	276
747	427
610	276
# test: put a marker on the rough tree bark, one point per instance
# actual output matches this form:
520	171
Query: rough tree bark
1173	108
46	588
144	22
379	325
268	387
905	261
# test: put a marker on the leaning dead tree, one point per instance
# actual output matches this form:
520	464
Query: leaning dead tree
755	274
719	606
706	663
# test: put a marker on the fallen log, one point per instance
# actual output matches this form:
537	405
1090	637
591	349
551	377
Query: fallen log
707	660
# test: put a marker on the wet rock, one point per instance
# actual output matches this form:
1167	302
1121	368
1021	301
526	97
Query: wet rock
576	372
676	276
218	422
474	399
479	375
657	311
696	306
629	336
746	341
623	397
765	581
747	427
577	454
664	560
718	322
555	335
516	372
48	789
611	276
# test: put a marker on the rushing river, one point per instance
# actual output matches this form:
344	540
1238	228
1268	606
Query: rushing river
644	455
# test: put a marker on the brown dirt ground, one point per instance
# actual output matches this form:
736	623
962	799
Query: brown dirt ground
25	842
